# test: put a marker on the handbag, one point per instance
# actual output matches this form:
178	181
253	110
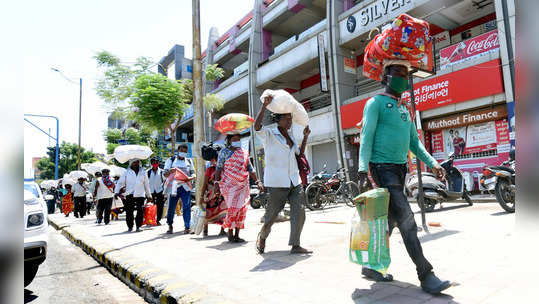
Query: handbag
303	166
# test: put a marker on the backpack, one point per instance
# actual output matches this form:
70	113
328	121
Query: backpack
189	160
161	175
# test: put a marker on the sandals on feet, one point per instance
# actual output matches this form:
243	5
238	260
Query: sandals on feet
260	244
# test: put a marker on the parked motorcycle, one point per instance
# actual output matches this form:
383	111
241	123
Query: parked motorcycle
501	180
436	191
321	192
258	199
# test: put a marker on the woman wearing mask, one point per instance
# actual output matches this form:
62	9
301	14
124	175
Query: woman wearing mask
216	207
232	176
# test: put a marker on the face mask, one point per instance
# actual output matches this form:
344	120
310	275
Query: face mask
182	154
155	166
398	84
236	144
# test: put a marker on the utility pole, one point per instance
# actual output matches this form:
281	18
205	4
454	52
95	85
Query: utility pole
198	118
80	116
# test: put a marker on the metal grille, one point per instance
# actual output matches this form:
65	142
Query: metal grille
317	102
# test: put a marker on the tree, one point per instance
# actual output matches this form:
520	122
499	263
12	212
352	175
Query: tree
159	103
67	160
113	135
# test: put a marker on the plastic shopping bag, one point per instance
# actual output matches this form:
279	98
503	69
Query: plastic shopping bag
198	219
369	235
150	215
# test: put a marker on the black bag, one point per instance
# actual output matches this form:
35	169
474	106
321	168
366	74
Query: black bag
210	151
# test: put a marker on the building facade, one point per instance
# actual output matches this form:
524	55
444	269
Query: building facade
314	50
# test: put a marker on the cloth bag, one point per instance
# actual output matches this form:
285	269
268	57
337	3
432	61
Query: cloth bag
150	215
369	235
198	219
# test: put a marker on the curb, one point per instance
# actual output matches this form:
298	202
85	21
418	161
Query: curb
153	284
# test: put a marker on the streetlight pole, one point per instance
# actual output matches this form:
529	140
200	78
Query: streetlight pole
57	138
80	109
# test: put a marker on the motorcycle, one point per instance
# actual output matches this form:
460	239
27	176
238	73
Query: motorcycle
321	191
436	191
258	199
501	180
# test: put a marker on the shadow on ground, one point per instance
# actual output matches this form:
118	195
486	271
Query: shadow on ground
278	260
396	292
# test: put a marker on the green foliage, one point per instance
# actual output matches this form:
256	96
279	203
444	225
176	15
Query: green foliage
111	147
113	135
67	160
158	101
132	135
106	59
187	90
213	102
213	72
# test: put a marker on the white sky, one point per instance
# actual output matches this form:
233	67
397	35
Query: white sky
66	34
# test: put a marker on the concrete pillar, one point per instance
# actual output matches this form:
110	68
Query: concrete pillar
211	134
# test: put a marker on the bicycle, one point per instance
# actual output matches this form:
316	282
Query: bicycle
322	192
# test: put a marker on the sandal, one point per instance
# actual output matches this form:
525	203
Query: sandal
260	244
238	240
230	237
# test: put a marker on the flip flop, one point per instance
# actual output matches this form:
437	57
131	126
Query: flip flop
260	244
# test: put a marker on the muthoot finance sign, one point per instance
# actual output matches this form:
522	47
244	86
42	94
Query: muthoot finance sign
459	120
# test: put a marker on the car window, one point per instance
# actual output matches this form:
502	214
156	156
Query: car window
31	188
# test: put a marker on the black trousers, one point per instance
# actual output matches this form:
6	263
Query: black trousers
80	206
130	205
103	205
392	176
159	200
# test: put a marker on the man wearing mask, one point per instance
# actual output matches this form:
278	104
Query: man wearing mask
79	195
180	162
155	176
137	187
104	194
386	136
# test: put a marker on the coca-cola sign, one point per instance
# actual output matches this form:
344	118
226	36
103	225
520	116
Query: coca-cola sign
469	49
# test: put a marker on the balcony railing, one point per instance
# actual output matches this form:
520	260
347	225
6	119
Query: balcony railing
317	102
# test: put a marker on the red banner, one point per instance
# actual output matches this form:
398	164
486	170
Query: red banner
469	49
477	81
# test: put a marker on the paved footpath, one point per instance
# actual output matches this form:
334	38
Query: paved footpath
471	248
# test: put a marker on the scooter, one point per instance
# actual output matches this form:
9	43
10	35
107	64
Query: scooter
436	191
501	180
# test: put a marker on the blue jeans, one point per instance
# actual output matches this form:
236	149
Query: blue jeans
173	201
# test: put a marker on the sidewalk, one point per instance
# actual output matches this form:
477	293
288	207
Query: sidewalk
471	248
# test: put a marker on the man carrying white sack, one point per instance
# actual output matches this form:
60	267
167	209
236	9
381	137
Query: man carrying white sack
281	176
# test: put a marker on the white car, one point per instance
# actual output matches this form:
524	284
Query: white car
35	230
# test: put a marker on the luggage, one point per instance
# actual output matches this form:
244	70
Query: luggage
234	123
150	215
369	235
407	40
198	219
126	152
284	102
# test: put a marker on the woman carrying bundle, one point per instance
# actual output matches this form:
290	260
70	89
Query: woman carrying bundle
216	207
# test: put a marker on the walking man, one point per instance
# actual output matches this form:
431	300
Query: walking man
137	187
79	194
104	194
155	176
281	176
387	135
180	162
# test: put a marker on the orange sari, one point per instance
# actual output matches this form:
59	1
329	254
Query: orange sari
67	203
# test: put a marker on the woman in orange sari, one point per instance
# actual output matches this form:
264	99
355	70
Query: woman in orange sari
67	201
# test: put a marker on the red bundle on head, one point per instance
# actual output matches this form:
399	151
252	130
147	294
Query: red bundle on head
407	39
234	123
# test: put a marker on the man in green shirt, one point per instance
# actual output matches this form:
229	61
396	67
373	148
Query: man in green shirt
386	136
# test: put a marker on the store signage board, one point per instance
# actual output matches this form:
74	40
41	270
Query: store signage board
469	49
442	39
322	63
458	120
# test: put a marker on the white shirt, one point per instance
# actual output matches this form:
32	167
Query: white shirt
135	184
281	164
78	190
102	190
156	180
183	164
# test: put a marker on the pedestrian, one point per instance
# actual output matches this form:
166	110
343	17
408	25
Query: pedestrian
67	200
61	192
387	135
156	179
216	207
180	162
281	177
91	190
51	204
79	194
104	194
232	179
137	187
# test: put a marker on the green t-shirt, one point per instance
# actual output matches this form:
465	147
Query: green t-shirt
388	133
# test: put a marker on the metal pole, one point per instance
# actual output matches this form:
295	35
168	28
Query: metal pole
57	149
198	118
80	116
420	194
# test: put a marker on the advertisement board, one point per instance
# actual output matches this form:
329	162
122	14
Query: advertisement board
469	49
481	137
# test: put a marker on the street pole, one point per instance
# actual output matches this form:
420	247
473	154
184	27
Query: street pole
198	118
80	116
420	193
57	150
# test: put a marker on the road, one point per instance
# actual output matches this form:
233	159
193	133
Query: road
68	275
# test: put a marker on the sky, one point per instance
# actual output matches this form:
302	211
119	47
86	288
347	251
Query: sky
67	34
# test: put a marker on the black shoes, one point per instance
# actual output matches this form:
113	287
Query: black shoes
433	285
300	250
375	275
169	231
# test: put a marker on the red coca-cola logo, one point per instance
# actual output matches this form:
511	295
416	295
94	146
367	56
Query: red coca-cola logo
480	46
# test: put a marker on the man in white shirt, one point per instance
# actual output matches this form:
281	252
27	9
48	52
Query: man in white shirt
155	176
79	198
180	162
104	194
281	176
137	187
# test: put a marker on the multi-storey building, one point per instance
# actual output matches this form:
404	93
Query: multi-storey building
314	50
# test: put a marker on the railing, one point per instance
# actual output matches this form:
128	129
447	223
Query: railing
317	102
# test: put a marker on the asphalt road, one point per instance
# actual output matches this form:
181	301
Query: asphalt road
68	275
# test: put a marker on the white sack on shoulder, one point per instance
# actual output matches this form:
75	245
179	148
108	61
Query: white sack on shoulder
127	152
284	102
